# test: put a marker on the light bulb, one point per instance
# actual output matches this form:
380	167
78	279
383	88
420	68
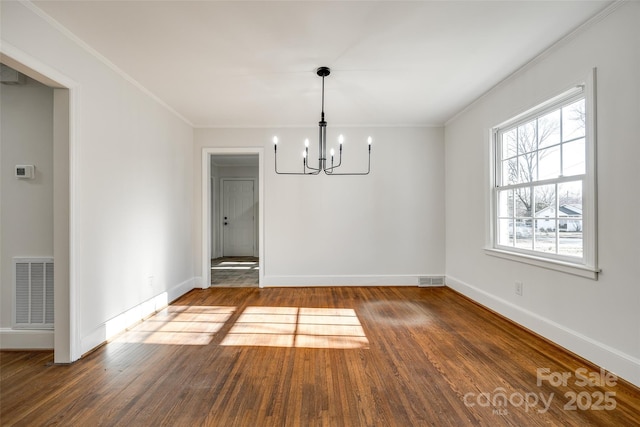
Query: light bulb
306	143
304	153
369	140
341	139
275	140
332	152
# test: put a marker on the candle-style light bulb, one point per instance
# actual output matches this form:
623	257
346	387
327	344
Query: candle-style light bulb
306	143
341	139
369	140
304	153
333	152
275	140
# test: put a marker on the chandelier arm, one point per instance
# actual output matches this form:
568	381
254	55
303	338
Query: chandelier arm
330	171
304	172
294	173
298	173
312	171
339	162
275	162
316	170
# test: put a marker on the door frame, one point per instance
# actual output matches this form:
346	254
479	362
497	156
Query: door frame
207	152
256	200
66	95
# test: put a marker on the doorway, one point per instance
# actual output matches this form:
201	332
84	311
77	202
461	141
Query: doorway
63	338
233	219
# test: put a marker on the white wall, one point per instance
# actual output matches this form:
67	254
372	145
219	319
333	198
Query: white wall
131	159
385	228
26	206
596	319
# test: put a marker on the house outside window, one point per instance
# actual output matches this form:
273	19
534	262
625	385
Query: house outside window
543	187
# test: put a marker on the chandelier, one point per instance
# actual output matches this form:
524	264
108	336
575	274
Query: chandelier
326	165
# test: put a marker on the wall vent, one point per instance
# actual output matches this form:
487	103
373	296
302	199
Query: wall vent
428	281
33	293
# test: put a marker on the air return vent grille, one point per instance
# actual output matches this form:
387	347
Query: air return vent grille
33	293
430	281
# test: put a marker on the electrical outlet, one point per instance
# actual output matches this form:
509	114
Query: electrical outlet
519	287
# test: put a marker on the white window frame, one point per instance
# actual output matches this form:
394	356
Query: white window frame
587	266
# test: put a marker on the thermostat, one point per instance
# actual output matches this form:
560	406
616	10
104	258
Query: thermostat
25	171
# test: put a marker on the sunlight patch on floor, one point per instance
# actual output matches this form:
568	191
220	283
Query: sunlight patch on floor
180	325
297	327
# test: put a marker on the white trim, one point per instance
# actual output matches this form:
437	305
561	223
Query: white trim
41	68
587	265
590	206
350	280
25	339
67	341
549	264
207	152
546	106
622	364
206	220
74	138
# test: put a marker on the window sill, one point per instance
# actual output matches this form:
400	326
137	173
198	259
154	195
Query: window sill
564	267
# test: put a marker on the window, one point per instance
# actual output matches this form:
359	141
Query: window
544	176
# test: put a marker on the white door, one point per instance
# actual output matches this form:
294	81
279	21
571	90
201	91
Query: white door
238	217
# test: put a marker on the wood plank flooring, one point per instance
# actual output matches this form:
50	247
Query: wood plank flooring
395	356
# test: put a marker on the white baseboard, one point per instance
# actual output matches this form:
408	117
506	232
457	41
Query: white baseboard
613	360
25	339
182	288
121	322
362	280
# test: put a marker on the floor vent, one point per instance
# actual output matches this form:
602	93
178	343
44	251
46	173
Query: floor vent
428	281
33	293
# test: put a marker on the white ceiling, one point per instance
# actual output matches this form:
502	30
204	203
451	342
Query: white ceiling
240	63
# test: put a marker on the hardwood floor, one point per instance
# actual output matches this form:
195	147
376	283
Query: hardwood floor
317	356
